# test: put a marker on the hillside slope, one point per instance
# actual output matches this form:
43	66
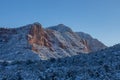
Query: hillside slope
93	44
34	42
102	65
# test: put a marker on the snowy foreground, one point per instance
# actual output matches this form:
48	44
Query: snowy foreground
102	65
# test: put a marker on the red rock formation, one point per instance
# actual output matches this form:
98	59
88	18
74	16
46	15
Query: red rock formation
86	48
38	36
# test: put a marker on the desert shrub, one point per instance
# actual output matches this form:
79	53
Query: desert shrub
117	67
28	62
4	78
90	73
106	67
19	76
100	62
4	63
16	62
71	73
52	60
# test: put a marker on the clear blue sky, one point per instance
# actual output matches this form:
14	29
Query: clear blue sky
100	18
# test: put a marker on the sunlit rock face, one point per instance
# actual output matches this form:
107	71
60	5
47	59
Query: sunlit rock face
53	42
92	44
38	36
69	40
57	41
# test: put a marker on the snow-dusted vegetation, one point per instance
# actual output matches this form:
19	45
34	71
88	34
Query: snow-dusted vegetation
101	65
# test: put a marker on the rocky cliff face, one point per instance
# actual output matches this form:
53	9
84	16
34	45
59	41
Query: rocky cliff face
92	44
70	39
38	36
31	41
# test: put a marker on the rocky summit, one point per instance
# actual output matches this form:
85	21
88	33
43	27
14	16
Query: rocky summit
35	42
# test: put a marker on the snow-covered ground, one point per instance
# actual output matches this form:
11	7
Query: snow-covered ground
101	65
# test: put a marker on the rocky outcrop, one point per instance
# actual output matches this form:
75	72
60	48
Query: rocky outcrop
92	44
57	41
86	48
54	42
69	39
38	36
